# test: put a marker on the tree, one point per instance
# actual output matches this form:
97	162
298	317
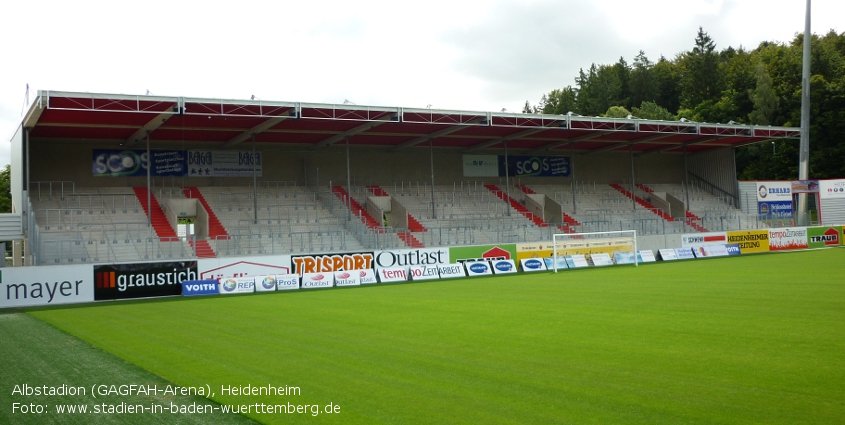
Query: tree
560	101
653	111
5	189
643	84
617	112
764	98
668	80
700	76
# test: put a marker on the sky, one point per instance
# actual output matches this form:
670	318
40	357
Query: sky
486	55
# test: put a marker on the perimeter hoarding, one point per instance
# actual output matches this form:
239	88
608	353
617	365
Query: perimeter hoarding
46	285
222	268
483	252
410	257
750	241
330	263
142	280
787	238
820	237
607	246
701	239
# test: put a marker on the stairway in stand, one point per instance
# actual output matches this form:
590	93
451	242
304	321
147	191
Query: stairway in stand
202	248
413	224
642	202
524	211
691	220
215	227
159	221
568	220
358	210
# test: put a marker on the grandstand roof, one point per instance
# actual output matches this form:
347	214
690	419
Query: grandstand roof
126	120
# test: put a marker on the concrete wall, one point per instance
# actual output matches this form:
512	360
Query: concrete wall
57	160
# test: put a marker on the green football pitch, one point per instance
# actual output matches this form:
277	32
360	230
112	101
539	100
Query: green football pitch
751	339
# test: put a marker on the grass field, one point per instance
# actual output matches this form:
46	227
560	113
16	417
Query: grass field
754	339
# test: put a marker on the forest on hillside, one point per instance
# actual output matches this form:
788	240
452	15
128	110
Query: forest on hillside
760	87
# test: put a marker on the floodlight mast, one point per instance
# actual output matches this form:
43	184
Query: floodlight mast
804	150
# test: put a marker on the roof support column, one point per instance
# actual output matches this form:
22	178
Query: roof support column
254	184
572	174
348	183
507	182
431	161
633	193
686	178
149	188
804	151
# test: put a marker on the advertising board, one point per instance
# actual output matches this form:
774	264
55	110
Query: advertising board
646	256
424	272
478	268
394	274
347	278
576	261
223	267
266	283
237	285
601	259
684	253
503	266
750	241
451	270
787	238
820	237
142	280
46	285
317	280
690	240
532	264
667	254
199	287
286	282
329	263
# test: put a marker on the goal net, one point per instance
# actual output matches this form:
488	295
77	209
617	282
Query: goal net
573	250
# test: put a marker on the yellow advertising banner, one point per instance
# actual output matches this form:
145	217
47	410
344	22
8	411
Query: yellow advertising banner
573	246
750	240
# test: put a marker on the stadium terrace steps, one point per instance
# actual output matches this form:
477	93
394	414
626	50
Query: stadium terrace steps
568	220
358	210
413	224
691	220
642	202
517	206
202	248
159	221
215	227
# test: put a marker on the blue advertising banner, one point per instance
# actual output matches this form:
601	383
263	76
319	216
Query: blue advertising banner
775	209
199	287
134	162
535	166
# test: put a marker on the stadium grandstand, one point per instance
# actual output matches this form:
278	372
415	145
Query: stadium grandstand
109	178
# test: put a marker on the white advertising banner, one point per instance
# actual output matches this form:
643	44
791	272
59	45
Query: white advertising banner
561	263
424	272
481	165
532	264
410	257
221	268
395	274
646	256
787	238
347	278
478	268
317	280
711	251
831	189
577	261
237	285
286	282
701	239
667	254
503	266
684	253
451	270
265	283
46	285
601	259
223	163
368	277
774	191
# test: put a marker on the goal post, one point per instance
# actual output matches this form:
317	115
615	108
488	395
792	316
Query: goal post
617	244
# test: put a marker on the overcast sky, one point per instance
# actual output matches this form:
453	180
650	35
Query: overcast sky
468	55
